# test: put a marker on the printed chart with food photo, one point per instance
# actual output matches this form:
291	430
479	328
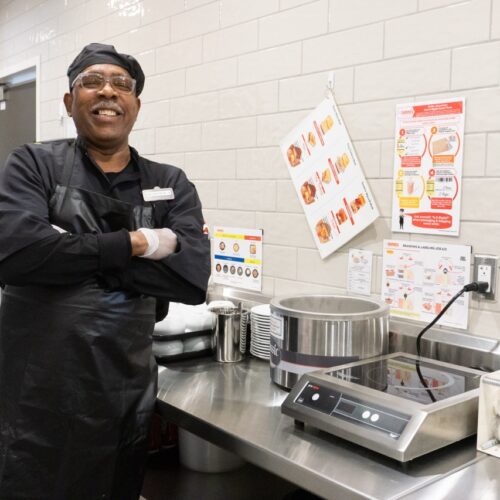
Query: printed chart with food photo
428	167
328	178
418	279
237	257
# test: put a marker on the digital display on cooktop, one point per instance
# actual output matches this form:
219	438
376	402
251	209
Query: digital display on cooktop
421	381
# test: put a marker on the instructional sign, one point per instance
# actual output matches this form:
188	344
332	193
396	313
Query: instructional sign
359	271
428	157
237	257
328	179
419	279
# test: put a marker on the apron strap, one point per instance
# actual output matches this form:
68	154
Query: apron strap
69	162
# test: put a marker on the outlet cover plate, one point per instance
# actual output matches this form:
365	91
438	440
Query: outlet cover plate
487	260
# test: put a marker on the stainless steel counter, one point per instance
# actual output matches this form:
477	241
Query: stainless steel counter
236	406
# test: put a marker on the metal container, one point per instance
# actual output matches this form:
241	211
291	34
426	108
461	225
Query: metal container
309	332
226	338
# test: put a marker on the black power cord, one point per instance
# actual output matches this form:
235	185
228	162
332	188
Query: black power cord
475	286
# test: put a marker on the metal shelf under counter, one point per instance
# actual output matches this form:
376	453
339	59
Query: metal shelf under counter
237	407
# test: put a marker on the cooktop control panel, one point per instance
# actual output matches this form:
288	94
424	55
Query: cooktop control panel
346	407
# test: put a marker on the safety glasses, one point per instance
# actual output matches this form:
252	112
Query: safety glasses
96	81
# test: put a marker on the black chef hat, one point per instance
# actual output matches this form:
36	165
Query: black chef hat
98	53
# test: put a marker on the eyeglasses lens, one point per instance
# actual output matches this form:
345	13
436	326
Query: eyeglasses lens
96	81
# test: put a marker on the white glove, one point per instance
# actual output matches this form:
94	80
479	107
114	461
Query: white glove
59	229
161	242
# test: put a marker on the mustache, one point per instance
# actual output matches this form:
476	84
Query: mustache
107	105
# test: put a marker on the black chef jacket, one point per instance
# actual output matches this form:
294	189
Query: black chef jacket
33	252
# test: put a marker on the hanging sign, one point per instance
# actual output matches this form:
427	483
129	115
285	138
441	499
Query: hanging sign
328	178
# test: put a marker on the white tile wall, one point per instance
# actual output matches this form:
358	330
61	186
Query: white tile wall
369	157
236	11
476	66
304	92
280	262
212	76
247	195
351	47
495	21
249	100
474	162
194	108
452	26
294	24
260	163
228	134
349	13
179	55
493	155
196	22
270	64
231	41
272	128
287	199
227	79
211	165
419	74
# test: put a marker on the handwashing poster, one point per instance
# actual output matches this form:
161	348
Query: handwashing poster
428	156
328	178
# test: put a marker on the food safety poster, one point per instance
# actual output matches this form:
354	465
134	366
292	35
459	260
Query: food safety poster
328	178
237	257
418	280
428	167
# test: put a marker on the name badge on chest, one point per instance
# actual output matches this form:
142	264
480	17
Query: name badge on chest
157	194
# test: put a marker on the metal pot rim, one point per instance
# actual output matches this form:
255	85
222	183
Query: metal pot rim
380	310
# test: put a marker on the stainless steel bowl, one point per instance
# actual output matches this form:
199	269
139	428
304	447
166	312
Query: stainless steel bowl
317	331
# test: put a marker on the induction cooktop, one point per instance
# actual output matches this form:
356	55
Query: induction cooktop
399	405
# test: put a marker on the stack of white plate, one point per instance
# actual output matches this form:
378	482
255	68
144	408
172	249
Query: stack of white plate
243	331
260	318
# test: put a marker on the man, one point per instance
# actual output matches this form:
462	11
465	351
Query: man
95	241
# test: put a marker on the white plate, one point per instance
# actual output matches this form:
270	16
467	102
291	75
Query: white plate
260	345
260	317
261	336
169	348
171	325
262	310
263	323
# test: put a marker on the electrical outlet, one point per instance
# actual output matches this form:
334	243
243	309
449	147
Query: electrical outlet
484	274
485	269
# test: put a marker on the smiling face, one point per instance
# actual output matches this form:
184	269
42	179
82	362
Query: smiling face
105	117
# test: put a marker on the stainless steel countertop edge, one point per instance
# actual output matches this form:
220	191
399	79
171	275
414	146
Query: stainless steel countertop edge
257	455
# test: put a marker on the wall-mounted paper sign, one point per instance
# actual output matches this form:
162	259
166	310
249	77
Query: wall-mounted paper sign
428	156
359	271
237	257
419	278
328	178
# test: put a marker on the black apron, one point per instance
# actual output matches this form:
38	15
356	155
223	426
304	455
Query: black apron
77	375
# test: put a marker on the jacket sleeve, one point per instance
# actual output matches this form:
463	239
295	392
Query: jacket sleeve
182	276
32	251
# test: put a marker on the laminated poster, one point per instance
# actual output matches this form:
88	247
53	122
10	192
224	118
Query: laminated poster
328	178
237	257
428	157
418	280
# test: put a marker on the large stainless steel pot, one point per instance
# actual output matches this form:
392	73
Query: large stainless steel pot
317	331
